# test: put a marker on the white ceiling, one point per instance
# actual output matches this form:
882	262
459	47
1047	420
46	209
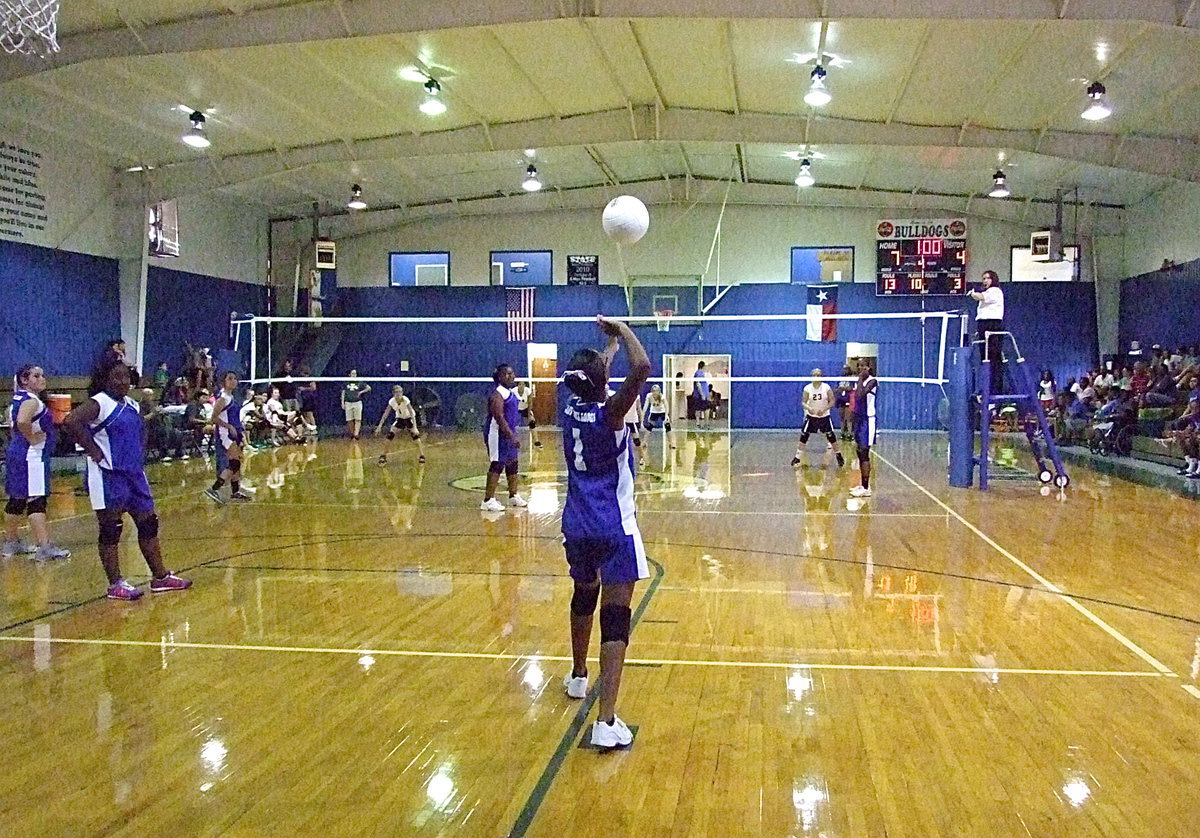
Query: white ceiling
306	98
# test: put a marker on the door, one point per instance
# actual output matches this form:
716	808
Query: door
545	397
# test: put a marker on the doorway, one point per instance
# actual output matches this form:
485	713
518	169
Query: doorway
679	372
543	364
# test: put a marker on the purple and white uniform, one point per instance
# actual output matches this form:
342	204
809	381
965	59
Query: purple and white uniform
27	467
599	520
119	482
500	448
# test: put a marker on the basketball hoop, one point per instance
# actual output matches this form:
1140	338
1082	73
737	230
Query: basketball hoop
29	27
662	319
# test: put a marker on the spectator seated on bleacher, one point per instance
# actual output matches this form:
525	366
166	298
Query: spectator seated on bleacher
254	419
1114	425
1185	432
1077	417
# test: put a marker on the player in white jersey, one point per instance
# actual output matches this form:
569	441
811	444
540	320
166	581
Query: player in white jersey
400	406
524	392
599	521
656	413
862	406
817	400
27	467
633	421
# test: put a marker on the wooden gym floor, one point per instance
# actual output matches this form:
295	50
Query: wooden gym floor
364	653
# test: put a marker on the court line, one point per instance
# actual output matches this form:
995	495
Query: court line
538	794
512	657
1050	586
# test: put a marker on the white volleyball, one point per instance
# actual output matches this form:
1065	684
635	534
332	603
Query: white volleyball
626	219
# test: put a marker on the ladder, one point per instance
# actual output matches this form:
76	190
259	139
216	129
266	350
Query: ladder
1037	429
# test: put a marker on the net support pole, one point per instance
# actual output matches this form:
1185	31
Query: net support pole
253	349
962	438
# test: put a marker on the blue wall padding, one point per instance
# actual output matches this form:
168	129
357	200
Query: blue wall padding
185	307
58	308
1161	307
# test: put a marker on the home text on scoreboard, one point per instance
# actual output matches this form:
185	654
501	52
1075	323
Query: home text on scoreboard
921	256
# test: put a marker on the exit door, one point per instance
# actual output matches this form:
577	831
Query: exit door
543	365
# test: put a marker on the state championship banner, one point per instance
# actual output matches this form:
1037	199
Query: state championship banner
822	300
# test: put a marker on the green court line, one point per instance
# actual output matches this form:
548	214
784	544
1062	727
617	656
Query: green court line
534	801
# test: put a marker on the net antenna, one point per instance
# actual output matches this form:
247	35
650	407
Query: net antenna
29	27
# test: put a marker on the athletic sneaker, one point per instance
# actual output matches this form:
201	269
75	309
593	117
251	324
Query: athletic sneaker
123	590
1194	475
1182	472
860	492
795	461
615	735
575	687
537	444
240	496
492	505
517	500
421	459
215	495
16	548
48	553
170	582
382	459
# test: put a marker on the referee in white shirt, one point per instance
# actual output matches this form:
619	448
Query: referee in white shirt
989	317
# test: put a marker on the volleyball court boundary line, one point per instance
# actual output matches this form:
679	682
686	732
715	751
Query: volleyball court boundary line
1154	662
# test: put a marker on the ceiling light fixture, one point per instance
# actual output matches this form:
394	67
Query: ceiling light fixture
356	201
531	182
805	178
817	94
1098	107
999	186
195	136
433	105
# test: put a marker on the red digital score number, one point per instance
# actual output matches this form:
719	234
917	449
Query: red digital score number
889	284
929	247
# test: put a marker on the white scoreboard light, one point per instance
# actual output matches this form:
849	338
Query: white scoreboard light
921	256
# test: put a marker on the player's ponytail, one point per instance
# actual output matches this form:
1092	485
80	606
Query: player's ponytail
586	375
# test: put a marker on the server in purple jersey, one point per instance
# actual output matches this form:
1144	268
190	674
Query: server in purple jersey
27	467
599	522
500	437
109	428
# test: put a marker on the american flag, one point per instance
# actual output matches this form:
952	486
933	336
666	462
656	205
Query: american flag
518	308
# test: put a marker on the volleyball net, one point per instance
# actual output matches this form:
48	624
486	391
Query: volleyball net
754	365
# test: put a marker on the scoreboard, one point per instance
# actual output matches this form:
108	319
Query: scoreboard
921	256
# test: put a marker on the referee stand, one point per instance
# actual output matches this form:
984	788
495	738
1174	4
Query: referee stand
971	397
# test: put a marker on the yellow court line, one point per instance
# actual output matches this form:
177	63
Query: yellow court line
1050	586
504	656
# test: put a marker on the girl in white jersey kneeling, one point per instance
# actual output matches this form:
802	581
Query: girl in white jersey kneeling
599	522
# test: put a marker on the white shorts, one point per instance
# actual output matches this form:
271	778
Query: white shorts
353	411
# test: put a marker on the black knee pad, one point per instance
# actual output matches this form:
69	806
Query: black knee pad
36	506
391	435
804	438
583	601
614	624
15	506
495	467
147	527
667	425
510	468
110	531
831	436
532	424
415	434
864	453
235	466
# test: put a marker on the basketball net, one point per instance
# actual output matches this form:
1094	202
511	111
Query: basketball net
29	27
662	319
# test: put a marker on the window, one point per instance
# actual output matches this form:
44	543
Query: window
816	265
522	267
419	268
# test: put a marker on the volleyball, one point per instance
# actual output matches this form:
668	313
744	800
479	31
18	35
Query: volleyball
626	219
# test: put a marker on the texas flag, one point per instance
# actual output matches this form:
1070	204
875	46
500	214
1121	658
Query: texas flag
822	300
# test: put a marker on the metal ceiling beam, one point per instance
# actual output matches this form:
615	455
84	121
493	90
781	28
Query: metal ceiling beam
1148	155
321	21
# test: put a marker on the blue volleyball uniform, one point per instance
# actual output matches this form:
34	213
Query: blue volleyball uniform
27	467
500	448
599	520
119	482
863	406
225	438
